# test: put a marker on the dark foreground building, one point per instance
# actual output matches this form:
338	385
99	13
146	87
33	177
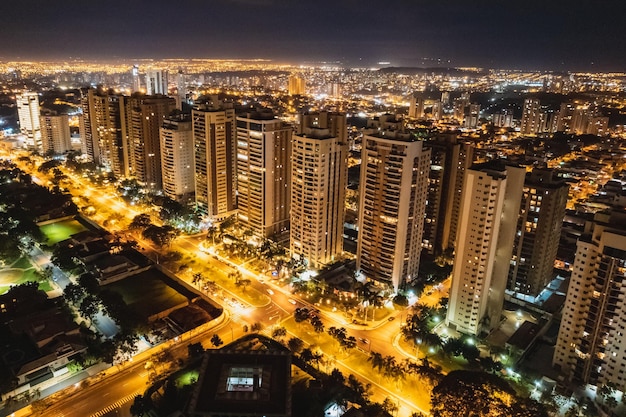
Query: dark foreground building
243	384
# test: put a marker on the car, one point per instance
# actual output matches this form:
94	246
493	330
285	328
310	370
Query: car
292	301
392	318
364	340
270	292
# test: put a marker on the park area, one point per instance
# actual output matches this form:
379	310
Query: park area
20	272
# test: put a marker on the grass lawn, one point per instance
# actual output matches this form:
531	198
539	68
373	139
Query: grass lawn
10	277
147	293
187	377
59	231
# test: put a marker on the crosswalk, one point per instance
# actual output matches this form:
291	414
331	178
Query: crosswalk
116	404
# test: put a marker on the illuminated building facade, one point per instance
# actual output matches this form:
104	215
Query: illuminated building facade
264	174
28	114
156	82
591	345
215	163
318	187
145	116
490	205
538	232
105	133
297	85
450	159
177	158
55	134
393	188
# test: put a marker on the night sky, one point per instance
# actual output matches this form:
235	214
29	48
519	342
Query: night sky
522	34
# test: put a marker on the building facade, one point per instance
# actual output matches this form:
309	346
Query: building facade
264	174
318	188
538	232
55	134
145	117
156	82
215	163
591	345
490	205
393	189
28	115
177	158
450	159
105	130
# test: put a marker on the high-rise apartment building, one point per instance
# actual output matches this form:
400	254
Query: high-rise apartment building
28	114
393	188
177	157
145	117
297	85
538	232
55	133
532	117
156	82
318	187
591	345
416	106
181	90
105	132
490	205
215	163
450	159
472	117
264	174
136	81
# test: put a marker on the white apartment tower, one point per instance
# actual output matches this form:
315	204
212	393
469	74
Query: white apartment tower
264	174
215	163
591	346
392	201
55	134
28	114
136	86
489	208
156	82
318	187
177	158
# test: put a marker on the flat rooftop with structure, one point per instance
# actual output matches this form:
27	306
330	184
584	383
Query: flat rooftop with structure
248	383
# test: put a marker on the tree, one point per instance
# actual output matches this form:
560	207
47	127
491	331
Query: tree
337	377
140	221
138	408
478	393
243	283
279	333
89	307
295	344
317	324
160	235
216	340
389	406
74	293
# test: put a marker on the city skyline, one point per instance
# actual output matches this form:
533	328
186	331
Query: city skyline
517	35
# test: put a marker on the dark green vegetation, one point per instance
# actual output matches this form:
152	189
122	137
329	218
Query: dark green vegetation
470	393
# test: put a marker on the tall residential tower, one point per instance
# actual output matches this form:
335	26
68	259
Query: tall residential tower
264	174
215	163
393	189
490	205
318	187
